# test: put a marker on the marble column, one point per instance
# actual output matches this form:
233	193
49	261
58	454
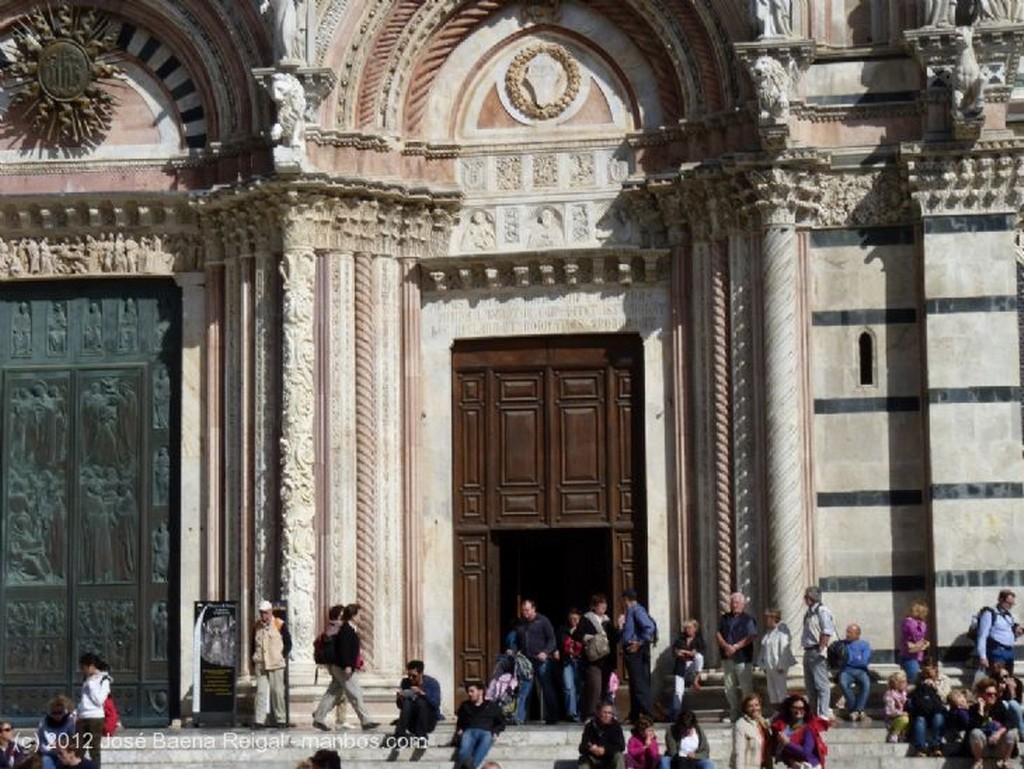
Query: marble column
785	439
298	447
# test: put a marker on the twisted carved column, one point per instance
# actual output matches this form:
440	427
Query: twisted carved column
788	545
298	429
366	451
721	419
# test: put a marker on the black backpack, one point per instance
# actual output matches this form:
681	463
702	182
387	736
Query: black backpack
324	649
837	654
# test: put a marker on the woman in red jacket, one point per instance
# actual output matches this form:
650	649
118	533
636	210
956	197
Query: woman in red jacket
797	735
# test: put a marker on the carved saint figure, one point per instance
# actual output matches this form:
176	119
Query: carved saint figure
57	330
128	327
287	93
159	619
479	234
21	331
161	476
939	13
161	552
547	230
161	398
92	332
774	18
772	84
286	23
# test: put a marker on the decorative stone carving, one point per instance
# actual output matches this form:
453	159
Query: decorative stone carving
546	229
510	172
774	18
938	13
446	275
1000	11
581	169
288	95
944	183
966	81
479	234
284	21
545	171
474	176
771	82
542	81
61	58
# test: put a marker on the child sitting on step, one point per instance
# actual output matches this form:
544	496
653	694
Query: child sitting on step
897	720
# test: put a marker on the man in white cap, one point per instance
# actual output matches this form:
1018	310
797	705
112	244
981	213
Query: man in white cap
271	645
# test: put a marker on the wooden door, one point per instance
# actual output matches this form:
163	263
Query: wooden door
547	434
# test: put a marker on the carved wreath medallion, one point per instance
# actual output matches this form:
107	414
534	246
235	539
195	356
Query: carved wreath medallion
61	58
542	81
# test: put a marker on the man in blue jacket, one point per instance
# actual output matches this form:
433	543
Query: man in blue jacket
854	680
637	635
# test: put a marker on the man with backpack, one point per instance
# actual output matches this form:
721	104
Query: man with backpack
997	631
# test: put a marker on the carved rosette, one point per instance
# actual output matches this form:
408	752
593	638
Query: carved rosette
298	427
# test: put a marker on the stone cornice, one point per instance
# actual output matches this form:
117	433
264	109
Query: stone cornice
565	269
946	179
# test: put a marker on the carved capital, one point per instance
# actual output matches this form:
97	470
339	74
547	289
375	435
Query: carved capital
952	182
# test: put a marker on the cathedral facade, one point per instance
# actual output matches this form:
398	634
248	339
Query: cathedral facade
435	305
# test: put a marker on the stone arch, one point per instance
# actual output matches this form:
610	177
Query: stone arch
199	53
388	72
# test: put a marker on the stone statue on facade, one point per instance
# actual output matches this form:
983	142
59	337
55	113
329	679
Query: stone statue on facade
771	82
286	25
1000	10
288	95
966	79
774	18
939	13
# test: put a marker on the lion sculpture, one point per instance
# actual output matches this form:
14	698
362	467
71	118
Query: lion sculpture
287	93
967	81
772	84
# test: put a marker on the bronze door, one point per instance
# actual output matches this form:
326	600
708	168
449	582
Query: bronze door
548	440
88	511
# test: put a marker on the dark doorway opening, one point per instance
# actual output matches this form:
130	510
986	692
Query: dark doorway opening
556	568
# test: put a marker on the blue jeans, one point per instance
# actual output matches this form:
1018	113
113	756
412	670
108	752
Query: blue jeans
474	745
681	762
912	668
571	683
855	700
997	653
919	731
542	676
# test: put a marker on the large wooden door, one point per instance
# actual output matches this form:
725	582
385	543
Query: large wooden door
89	373
547	436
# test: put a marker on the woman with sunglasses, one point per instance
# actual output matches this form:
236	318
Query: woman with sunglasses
987	729
1011	691
797	733
10	753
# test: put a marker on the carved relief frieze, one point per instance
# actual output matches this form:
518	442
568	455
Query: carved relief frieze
571	169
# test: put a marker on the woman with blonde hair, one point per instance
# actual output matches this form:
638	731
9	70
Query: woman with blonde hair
914	639
750	737
688	654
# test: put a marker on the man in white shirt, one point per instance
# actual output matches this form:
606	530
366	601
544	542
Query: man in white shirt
819	630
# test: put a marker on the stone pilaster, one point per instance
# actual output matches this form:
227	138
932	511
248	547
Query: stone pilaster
969	211
298	428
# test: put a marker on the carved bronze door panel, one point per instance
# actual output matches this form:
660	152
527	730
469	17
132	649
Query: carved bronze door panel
88	511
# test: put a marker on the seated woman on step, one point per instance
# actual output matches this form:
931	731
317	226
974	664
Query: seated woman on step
797	735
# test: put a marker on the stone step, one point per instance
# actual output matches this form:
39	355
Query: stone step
524	747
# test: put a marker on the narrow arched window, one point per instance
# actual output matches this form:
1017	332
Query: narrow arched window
866	351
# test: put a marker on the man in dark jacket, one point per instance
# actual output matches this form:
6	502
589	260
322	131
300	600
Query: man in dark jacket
478	722
603	745
535	638
419	702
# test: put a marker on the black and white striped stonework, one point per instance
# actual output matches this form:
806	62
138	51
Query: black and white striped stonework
156	57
